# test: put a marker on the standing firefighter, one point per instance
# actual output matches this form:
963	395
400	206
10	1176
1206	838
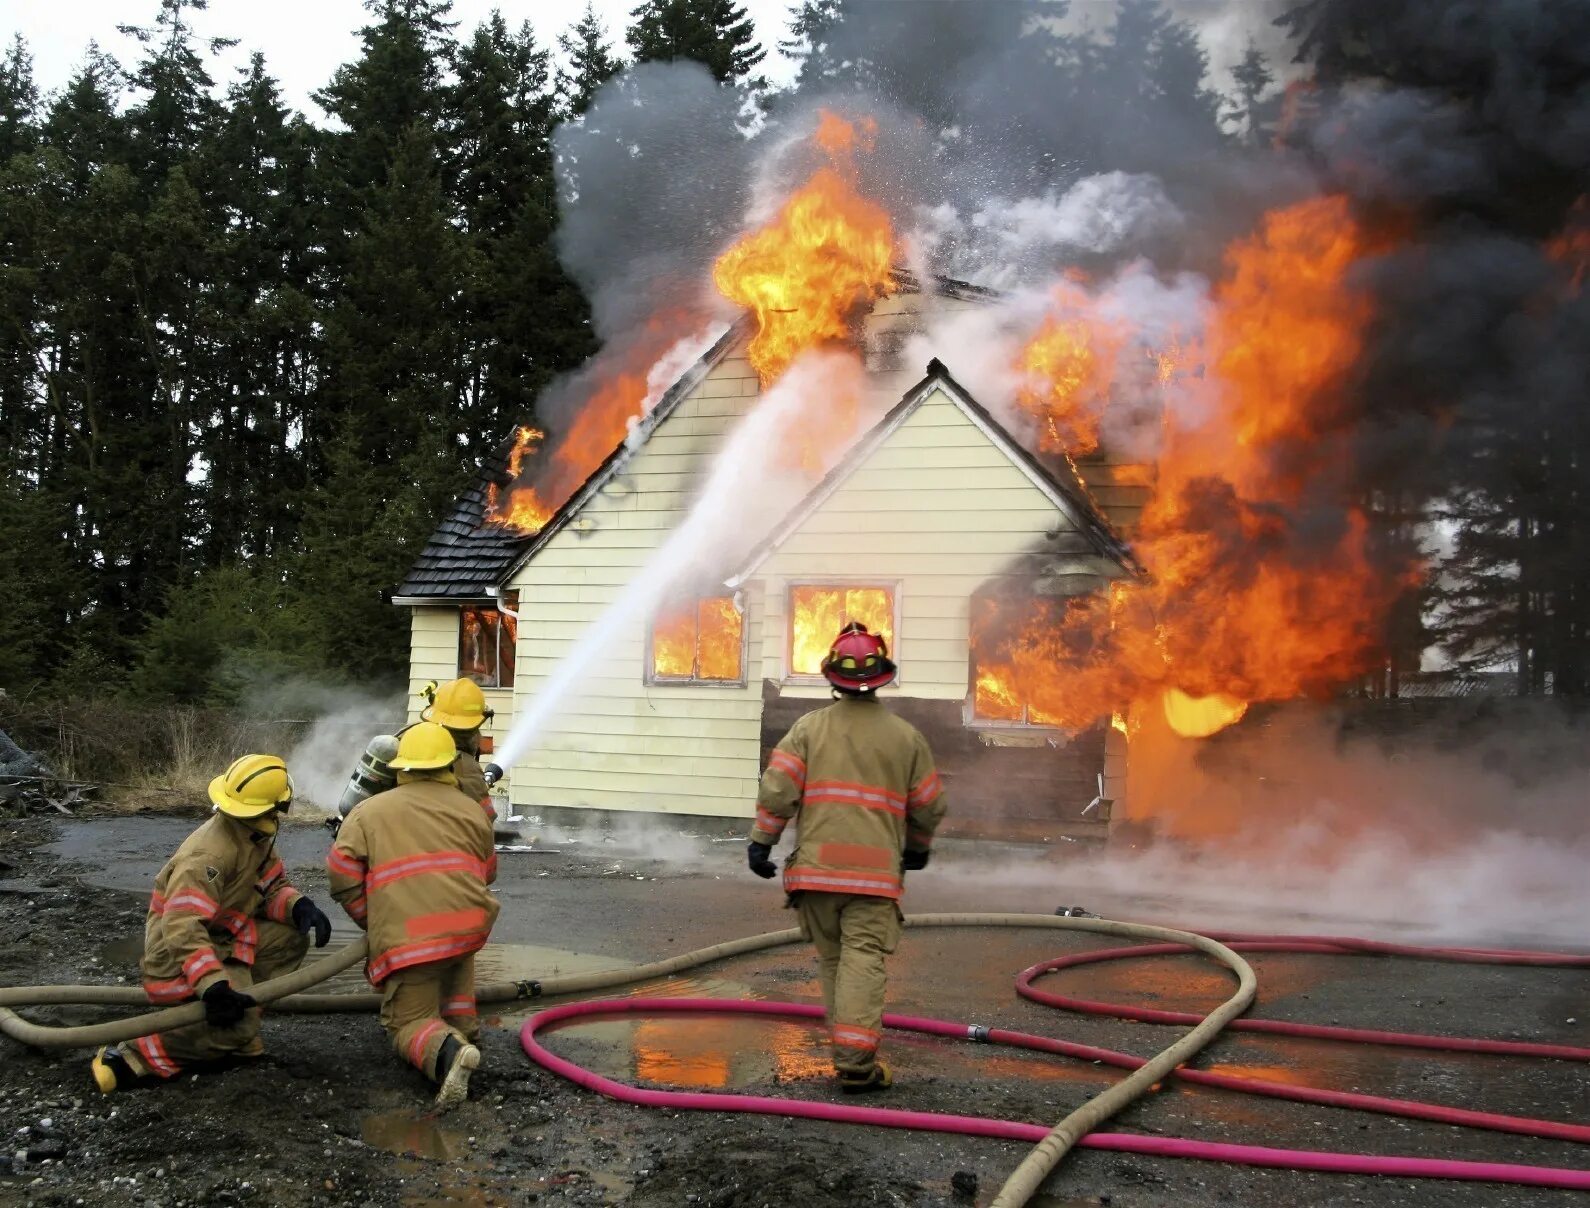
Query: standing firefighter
862	782
411	866
222	917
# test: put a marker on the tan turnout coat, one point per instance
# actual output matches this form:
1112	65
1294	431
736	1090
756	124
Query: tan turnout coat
862	783
411	866
203	910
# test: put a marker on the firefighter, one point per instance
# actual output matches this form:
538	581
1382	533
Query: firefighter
862	783
411	866
460	705
223	916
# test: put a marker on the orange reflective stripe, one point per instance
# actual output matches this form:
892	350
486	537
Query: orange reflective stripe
358	908
851	1036
421	1039
790	764
191	901
446	922
154	1052
840	792
176	989
341	862
279	908
927	790
771	823
199	966
458	1006
424	864
876	884
422	952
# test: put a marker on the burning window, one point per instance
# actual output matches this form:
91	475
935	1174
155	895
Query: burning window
1007	680
486	645
817	614
698	640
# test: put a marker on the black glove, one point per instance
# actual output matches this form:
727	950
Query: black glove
914	861
224	1007
757	857
308	917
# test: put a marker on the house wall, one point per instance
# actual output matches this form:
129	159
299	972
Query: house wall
616	742
433	655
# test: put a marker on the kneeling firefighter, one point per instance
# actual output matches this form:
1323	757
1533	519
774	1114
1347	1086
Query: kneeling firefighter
862	783
411	866
222	917
460	706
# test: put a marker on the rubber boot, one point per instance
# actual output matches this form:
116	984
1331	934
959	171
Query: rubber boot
878	1078
112	1072
454	1064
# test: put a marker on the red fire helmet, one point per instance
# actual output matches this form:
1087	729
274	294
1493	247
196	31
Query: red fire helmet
858	661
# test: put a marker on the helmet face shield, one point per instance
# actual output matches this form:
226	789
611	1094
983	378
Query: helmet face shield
858	661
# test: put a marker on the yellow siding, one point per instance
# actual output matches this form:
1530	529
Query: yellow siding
617	743
433	655
935	511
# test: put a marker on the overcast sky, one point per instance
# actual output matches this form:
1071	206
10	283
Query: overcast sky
304	41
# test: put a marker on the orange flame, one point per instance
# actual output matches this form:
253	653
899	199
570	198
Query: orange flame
523	508
1253	590
1571	245
699	639
1068	368
826	254
817	614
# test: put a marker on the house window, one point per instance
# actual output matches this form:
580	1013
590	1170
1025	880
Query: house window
1010	676
698	640
486	639
818	613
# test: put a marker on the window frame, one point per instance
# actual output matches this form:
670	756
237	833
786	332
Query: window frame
801	679
969	716
491	607
649	668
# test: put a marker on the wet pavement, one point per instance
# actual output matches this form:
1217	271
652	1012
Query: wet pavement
606	904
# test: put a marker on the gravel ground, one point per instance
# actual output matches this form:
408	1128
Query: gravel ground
332	1117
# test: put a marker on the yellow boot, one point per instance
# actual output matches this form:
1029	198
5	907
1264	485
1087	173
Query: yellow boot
454	1064
879	1078
113	1072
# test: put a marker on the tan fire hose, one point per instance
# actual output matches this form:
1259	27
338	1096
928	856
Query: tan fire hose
283	994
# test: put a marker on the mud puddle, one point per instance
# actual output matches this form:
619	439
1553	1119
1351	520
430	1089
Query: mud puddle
412	1136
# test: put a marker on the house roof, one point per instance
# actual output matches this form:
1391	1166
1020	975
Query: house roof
467	559
1057	480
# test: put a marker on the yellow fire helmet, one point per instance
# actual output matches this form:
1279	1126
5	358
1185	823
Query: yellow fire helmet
458	704
253	786
424	747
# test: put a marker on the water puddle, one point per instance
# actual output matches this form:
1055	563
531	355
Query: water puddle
127	951
410	1136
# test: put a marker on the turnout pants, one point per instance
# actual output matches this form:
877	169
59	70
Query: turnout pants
280	950
425	1004
852	933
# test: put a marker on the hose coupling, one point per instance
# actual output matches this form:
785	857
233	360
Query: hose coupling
978	1032
529	988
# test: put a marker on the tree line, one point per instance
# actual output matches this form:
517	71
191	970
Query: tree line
247	358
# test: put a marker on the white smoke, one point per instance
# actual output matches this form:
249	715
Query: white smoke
323	760
749	486
1008	242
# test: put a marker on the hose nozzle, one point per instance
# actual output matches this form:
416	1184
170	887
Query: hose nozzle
492	772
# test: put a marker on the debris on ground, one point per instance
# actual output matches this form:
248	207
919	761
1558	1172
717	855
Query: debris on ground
28	785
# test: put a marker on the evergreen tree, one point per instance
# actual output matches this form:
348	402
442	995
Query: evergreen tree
524	321
1252	112
811	27
19	102
716	33
591	63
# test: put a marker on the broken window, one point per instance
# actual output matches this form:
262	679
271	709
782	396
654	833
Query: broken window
1010	672
818	613
698	640
486	639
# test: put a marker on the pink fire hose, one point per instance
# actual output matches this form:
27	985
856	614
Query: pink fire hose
1294	1159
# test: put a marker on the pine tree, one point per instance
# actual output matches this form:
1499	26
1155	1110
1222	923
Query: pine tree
1251	112
19	102
812	24
591	63
716	33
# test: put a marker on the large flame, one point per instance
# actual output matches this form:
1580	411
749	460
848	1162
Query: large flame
817	614
699	639
1260	583
1067	370
807	274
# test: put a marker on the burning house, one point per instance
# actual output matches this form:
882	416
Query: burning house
935	526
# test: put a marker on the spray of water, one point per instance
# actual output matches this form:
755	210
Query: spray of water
746	487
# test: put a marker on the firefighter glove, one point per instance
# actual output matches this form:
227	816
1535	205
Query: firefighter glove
757	856
308	917
914	861
224	1007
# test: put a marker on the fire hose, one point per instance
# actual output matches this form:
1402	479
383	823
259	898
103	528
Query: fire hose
284	993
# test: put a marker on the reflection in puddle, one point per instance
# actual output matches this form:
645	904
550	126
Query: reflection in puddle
408	1135
699	1052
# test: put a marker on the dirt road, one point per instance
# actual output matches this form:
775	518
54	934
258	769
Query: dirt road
332	1117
